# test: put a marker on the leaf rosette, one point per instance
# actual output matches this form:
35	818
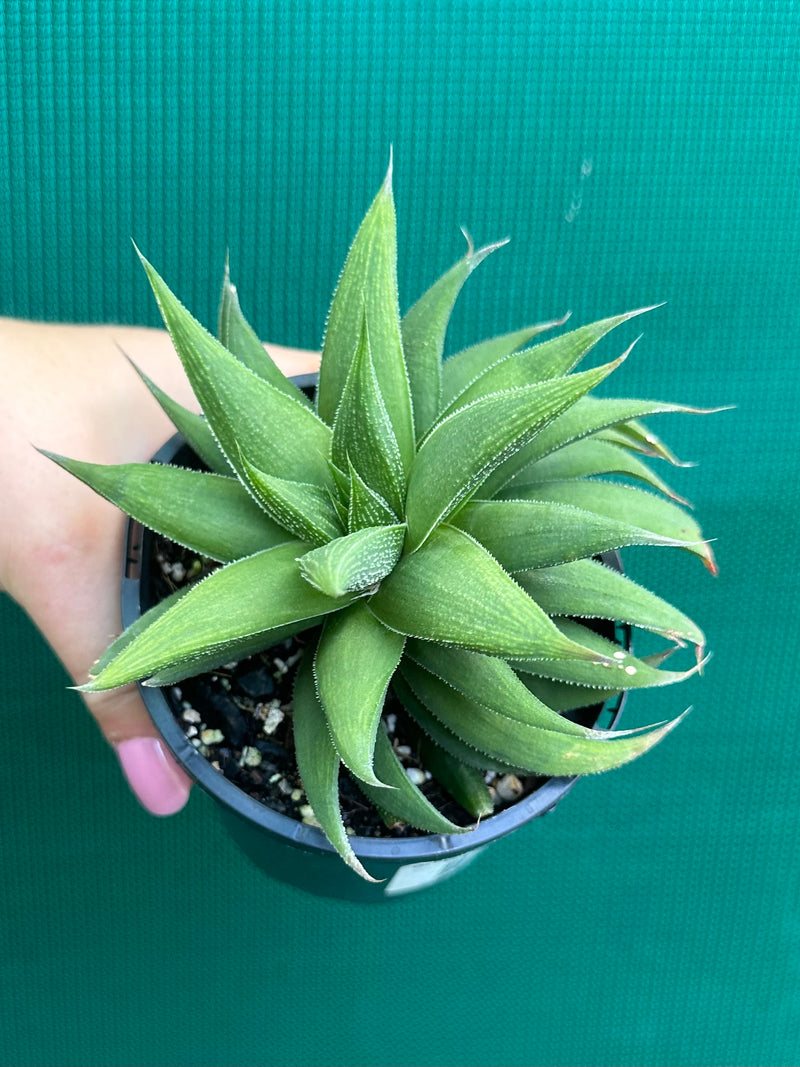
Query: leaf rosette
433	524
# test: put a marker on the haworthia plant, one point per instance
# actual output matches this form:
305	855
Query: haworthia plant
433	525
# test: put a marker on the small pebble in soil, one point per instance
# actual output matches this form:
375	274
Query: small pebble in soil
273	717
307	815
509	787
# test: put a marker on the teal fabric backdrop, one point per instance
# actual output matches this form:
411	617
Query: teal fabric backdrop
636	153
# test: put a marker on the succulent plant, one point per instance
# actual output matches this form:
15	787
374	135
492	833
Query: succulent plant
432	524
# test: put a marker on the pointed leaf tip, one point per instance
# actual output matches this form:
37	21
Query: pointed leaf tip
710	560
143	259
627	352
474	258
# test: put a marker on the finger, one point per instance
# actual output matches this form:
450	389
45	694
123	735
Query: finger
155	779
294	360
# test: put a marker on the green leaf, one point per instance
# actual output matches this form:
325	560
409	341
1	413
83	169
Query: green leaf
464	448
208	513
239	337
248	416
211	661
236	611
590	590
538	751
318	764
194	427
587	416
305	509
634	435
621	670
356	658
341	482
439	733
452	591
594	413
642	509
464	367
424	327
591	457
136	627
366	507
340	509
465	784
355	562
404	800
369	282
563	696
362	431
524	534
566	696
550	359
491	681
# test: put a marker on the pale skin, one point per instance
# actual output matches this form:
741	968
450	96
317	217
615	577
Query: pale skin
68	389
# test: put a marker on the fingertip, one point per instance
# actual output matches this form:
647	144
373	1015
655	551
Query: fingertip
155	779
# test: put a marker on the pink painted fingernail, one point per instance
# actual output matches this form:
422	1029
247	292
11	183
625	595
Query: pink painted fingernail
157	781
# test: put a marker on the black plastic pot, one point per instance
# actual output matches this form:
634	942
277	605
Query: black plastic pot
300	854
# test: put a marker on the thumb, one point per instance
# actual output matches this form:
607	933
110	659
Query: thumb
155	779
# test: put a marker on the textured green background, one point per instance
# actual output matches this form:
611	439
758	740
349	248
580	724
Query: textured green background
654	919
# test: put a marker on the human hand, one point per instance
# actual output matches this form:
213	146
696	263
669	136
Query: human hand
68	389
